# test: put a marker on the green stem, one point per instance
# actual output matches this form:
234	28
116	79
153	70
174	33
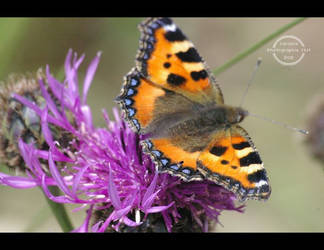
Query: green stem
253	48
59	211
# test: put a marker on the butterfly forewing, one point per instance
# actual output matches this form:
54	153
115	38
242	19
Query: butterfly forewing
167	58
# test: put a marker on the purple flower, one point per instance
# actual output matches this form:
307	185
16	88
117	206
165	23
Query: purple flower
104	169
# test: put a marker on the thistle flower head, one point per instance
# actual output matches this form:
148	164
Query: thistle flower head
104	169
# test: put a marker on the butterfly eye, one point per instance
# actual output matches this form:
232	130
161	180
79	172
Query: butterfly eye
241	115
239	118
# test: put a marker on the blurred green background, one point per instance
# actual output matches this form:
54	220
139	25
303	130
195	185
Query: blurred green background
278	92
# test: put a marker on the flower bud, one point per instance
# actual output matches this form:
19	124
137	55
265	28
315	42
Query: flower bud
18	120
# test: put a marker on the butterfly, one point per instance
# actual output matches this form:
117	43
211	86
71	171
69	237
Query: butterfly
171	98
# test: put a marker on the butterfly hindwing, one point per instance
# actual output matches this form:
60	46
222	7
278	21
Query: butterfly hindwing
178	149
232	161
167	58
172	159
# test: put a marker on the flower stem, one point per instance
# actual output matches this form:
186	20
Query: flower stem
256	46
59	211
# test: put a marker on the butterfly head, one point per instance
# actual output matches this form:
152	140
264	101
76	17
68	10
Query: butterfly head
235	115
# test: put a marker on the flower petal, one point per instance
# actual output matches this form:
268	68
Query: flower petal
55	85
158	209
106	223
89	77
47	133
56	157
150	189
130	222
112	191
57	176
67	64
149	201
59	199
121	212
95	227
76	179
17	181
86	111
49	100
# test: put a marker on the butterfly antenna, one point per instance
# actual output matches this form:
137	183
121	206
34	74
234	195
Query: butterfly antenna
303	131
251	80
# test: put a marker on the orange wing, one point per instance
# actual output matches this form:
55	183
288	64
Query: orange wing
232	161
168	59
172	159
137	100
149	108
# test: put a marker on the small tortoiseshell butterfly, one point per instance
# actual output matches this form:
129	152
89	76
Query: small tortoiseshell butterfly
172	98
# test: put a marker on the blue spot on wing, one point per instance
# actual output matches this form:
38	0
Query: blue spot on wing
136	124
149	31
164	161
151	39
130	92
155	25
131	112
174	167
186	171
134	82
128	102
146	56
157	153
149	144
149	46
